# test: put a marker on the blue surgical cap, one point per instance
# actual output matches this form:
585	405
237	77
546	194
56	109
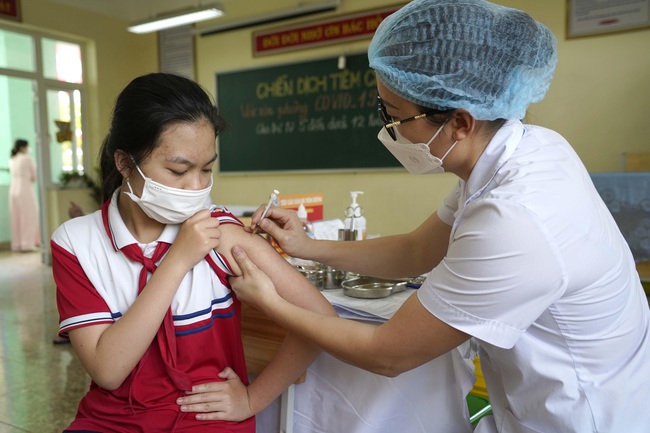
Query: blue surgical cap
491	60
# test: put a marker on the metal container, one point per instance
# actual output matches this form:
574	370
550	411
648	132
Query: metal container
334	278
372	288
314	273
347	235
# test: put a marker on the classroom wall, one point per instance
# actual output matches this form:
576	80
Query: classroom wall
599	100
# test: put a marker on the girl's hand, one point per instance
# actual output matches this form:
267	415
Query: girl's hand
253	286
196	237
227	401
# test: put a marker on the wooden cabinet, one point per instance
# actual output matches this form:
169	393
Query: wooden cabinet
261	338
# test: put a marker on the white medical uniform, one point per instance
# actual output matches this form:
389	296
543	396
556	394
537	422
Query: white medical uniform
539	273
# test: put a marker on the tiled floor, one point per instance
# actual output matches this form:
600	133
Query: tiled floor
40	383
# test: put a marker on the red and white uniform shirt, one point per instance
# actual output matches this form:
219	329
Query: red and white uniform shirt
97	283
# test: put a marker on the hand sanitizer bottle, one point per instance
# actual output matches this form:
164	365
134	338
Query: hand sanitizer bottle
354	218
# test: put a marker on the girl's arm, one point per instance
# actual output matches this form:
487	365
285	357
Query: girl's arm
294	355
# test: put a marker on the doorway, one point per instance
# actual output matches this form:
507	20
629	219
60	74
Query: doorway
42	94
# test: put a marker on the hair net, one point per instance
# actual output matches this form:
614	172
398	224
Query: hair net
491	60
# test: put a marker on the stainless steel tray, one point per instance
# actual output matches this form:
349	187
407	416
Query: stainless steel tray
372	288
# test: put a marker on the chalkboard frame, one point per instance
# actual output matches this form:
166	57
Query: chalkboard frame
363	151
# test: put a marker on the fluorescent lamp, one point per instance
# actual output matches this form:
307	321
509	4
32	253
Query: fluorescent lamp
180	18
300	10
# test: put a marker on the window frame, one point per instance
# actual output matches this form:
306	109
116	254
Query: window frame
43	85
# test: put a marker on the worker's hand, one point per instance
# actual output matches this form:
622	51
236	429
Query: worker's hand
284	226
253	286
227	400
197	236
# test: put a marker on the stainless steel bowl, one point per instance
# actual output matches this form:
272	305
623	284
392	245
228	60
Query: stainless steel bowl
372	288
315	274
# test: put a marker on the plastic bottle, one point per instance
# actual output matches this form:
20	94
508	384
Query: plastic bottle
355	211
306	225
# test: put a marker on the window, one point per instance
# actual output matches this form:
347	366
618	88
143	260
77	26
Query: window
62	61
40	69
66	145
17	51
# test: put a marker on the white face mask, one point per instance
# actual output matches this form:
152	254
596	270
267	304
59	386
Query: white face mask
415	157
169	205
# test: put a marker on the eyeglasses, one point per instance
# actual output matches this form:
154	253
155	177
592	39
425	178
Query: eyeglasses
390	123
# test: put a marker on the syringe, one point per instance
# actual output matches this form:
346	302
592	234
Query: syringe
272	198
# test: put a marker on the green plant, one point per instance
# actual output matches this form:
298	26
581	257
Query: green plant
70	176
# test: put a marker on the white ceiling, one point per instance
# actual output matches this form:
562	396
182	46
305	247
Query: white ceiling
135	10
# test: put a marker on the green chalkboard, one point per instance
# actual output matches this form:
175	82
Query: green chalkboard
299	117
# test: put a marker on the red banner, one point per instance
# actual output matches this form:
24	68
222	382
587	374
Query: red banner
320	33
10	9
313	204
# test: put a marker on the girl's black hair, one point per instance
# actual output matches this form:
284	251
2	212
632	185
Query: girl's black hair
18	145
143	110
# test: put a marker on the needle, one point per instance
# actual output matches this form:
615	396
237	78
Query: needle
272	198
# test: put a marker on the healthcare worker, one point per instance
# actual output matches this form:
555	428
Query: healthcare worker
523	254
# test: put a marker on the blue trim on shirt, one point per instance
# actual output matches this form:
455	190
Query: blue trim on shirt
204	311
207	325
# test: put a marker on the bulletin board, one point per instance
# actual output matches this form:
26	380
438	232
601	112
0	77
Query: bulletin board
590	17
311	116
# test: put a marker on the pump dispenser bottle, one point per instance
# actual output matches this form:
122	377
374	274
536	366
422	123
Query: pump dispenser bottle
354	218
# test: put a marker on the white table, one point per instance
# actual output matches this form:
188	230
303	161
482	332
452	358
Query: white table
339	398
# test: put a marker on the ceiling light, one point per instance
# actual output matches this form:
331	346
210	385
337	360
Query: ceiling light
175	19
300	10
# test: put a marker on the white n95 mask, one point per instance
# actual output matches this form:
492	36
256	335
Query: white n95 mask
415	157
169	205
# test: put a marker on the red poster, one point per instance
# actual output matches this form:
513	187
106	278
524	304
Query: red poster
342	29
10	9
313	204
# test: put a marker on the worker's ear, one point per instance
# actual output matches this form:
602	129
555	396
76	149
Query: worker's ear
124	163
463	123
